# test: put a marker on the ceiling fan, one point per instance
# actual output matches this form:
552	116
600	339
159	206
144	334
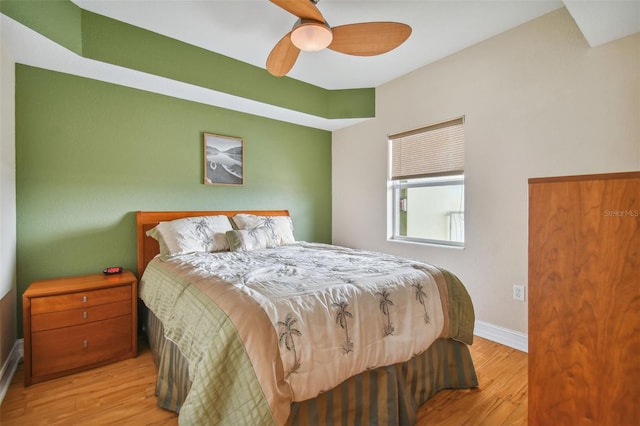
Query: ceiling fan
312	33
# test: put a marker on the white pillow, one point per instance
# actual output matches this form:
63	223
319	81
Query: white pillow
192	234
280	227
249	239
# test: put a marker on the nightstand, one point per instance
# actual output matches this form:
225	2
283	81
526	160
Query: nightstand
76	323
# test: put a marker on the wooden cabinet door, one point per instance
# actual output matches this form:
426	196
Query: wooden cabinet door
584	300
73	348
79	300
73	317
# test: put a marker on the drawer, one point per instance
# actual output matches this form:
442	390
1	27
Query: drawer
85	315
79	300
68	348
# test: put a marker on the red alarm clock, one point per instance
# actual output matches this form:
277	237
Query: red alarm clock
112	270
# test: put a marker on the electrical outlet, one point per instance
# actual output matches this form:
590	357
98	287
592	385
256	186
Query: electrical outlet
518	292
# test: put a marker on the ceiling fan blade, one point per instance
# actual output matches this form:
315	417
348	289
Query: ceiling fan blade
369	38
301	8
282	57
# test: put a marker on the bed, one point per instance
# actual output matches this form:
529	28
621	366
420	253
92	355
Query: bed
255	328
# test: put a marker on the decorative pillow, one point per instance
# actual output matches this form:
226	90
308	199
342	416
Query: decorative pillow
249	239
192	234
280	227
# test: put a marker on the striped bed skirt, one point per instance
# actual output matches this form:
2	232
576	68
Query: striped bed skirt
383	396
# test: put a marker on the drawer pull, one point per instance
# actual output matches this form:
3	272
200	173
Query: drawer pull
85	343
85	314
84	299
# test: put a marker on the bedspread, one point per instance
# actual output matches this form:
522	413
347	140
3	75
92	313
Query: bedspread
264	328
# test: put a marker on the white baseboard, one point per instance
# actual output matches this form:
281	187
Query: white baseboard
504	336
10	366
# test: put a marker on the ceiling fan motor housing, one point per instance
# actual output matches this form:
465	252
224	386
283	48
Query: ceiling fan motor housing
310	35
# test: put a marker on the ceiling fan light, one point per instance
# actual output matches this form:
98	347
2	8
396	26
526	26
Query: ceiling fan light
311	36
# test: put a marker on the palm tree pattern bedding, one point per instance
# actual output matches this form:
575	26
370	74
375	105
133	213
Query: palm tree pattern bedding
308	315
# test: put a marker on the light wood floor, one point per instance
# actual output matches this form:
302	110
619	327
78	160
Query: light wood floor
122	393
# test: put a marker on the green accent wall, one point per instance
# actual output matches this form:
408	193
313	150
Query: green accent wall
89	154
115	42
57	20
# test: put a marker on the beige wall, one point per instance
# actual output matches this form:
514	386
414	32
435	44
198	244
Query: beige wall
7	206
538	101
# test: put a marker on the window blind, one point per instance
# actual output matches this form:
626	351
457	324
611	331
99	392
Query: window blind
436	150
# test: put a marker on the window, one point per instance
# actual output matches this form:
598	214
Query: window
427	184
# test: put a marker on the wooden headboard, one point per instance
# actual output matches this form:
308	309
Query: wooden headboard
148	247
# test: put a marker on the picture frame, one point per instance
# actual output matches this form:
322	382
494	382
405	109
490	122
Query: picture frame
223	160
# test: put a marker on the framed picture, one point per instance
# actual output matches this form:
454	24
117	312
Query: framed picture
223	160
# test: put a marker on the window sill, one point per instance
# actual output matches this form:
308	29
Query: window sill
428	243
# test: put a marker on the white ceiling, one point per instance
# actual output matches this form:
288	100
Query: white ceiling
247	30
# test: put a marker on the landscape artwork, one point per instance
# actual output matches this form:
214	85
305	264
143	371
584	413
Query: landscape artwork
223	160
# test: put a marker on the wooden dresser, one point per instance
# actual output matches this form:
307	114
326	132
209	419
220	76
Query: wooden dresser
76	323
584	300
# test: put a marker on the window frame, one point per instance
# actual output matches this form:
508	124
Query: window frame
397	185
429	174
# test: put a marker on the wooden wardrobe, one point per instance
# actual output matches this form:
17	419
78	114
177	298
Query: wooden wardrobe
584	300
